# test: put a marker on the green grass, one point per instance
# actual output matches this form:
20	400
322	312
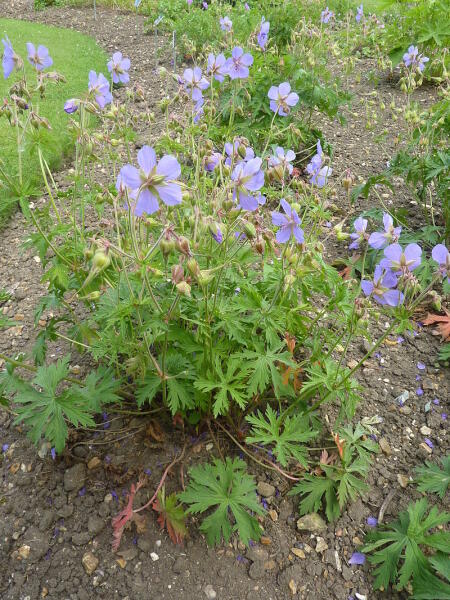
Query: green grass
74	54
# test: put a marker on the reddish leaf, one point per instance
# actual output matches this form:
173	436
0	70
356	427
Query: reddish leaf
442	322
126	516
171	516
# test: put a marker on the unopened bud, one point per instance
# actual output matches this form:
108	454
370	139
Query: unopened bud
184	289
249	230
204	277
177	273
260	246
183	245
166	246
193	267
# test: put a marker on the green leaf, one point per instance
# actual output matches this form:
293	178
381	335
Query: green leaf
313	489
396	547
430	478
227	489
286	435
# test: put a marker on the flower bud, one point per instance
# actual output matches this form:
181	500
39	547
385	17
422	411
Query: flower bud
260	246
184	289
88	253
93	296
296	206
436	300
177	273
340	235
249	230
166	246
193	267
204	277
101	260
183	245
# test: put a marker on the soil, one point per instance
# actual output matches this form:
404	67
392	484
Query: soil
56	514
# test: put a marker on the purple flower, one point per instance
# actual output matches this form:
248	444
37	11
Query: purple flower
5	448
234	152
357	558
212	161
288	224
237	65
189	2
421	366
195	83
40	58
82	492
360	226
248	177
53	453
413	59
226	24
326	15
71	106
152	181
263	34
444	416
318	173
198	110
10	58
391	234
436	401
99	88
429	443
397	260
205	5
359	13
283	158
282	99
148	472
217	66
217	234
246	6
372	521
118	67
382	287
419	391
441	255
400	339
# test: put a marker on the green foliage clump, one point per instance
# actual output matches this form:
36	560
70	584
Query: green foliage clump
230	492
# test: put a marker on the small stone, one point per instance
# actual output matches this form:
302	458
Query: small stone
257	554
65	511
209	447
352	363
273	515
385	446
311	522
298	552
74	478
424	430
426	448
121	562
270	565
293	587
24	551
265	489
403	480
321	545
180	565
94	463
154	556
256	571
405	410
265	541
90	562
210	592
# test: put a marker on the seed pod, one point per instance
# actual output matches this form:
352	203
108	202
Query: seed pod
177	273
183	245
204	277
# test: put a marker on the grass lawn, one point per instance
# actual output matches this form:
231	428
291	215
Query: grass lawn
73	56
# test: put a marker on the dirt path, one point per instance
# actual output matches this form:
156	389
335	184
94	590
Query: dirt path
61	510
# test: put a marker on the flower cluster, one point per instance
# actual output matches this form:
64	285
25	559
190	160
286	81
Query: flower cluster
397	263
326	15
38	57
317	171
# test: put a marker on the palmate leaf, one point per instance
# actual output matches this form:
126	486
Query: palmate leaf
431	478
229	490
401	541
287	436
228	385
427	586
314	490
262	366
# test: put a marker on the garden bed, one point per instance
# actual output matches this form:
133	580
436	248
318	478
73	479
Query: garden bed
61	509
